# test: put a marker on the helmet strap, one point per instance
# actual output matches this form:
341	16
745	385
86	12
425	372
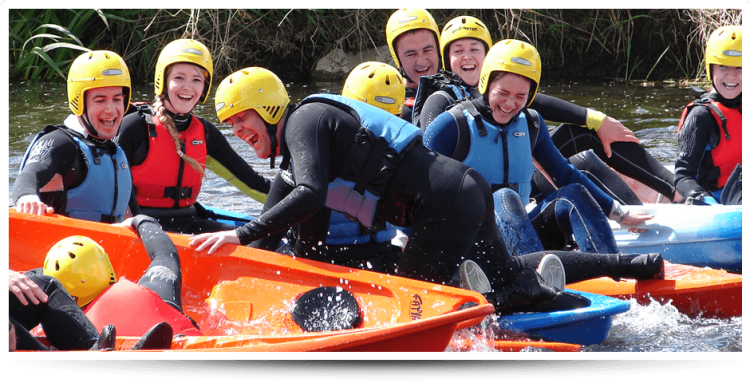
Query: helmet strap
87	124
271	129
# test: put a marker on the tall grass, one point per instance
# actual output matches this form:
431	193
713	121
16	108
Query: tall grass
600	43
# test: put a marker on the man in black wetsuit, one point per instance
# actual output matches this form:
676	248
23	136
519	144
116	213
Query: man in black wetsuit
354	158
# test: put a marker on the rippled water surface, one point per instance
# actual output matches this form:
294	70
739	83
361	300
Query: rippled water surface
651	111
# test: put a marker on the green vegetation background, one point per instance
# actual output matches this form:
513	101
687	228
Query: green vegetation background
574	43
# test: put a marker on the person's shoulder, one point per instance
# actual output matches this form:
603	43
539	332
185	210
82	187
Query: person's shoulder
132	120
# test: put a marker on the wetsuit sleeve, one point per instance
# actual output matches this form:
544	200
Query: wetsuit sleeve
53	154
692	143
435	105
308	138
555	109
219	149
562	172
133	139
441	135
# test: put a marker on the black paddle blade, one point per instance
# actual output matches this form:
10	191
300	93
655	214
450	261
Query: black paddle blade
326	309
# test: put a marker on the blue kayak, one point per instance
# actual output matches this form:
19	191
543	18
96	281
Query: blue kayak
703	236
586	319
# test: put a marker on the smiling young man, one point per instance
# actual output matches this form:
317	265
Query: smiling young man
75	169
710	129
413	36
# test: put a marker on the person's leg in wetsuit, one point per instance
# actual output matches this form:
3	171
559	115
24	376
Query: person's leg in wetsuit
448	207
163	275
64	323
571	210
628	158
517	227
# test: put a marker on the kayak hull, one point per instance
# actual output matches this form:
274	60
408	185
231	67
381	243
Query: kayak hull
398	314
588	323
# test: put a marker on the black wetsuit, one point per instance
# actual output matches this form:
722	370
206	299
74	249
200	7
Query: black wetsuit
65	159
64	323
447	205
133	140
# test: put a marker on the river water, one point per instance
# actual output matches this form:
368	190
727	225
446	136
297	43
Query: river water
652	111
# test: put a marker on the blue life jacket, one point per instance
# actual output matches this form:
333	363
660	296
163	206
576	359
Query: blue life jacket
342	231
97	198
502	154
383	139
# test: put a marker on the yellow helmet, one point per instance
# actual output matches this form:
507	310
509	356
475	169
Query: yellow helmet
92	70
252	88
460	28
513	56
377	84
724	47
184	51
82	266
405	20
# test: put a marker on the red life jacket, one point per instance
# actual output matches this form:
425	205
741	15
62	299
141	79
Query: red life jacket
134	309
728	153
164	180
409	102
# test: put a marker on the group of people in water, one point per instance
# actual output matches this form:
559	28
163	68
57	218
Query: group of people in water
450	148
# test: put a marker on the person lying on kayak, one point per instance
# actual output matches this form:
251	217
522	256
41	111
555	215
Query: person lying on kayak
83	267
41	299
710	129
351	157
168	146
349	243
498	135
464	43
74	169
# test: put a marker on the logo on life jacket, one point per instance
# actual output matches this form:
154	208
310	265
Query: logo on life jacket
196	142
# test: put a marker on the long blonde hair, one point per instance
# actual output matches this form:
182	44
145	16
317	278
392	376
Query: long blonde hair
166	119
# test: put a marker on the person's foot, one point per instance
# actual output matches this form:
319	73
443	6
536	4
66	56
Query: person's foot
158	337
107	339
641	266
473	277
528	290
552	271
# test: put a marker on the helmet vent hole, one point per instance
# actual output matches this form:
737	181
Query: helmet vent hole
71	255
463	20
57	266
388	81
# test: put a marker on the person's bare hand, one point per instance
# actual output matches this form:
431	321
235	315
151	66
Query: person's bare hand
214	240
25	289
614	131
31	204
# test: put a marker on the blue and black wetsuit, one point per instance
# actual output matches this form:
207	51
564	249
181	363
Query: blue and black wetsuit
571	138
81	177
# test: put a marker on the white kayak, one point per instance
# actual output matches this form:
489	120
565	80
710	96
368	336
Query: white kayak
687	234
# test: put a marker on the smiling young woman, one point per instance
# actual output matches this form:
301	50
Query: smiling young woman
168	147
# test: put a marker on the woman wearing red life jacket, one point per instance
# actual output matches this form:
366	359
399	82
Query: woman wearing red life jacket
168	147
710	129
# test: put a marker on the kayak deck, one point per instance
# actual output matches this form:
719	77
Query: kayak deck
692	290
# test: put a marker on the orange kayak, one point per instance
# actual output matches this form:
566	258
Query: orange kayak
242	297
692	290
